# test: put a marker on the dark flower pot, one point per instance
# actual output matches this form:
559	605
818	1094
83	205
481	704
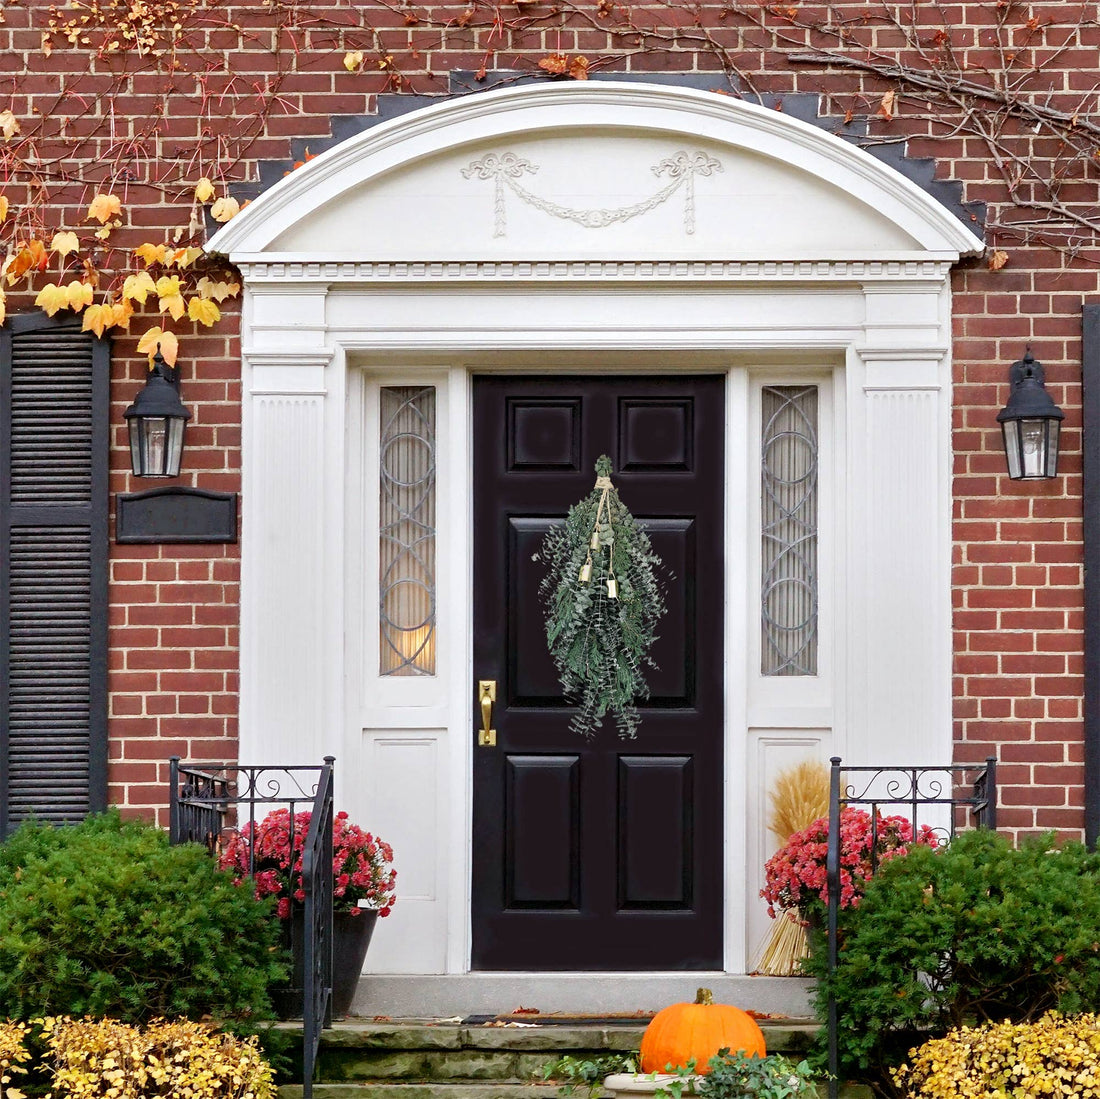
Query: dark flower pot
351	935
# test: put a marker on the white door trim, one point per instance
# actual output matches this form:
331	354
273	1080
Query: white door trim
324	301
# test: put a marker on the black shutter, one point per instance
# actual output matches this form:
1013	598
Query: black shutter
54	402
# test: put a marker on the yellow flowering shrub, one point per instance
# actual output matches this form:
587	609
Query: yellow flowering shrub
1057	1056
13	1056
106	1059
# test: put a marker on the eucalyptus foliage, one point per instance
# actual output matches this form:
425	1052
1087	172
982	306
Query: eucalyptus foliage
603	603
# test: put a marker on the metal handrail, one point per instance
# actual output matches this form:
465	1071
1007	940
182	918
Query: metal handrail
911	789
207	799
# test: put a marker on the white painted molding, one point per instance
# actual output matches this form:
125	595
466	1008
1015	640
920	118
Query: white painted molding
489	119
909	268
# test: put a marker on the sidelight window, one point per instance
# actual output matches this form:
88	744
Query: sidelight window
789	530
407	527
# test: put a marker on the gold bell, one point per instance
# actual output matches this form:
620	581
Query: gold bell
594	541
586	572
612	588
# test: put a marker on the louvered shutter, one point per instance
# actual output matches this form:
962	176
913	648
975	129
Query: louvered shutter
54	393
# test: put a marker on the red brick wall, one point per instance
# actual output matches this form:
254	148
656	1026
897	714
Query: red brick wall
256	81
174	627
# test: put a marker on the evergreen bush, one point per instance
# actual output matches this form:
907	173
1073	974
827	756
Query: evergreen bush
106	918
975	932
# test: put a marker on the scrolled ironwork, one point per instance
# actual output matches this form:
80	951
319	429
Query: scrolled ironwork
900	791
207	802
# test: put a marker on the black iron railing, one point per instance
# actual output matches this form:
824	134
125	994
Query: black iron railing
942	798
208	800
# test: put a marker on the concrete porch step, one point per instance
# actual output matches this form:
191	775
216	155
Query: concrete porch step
407	996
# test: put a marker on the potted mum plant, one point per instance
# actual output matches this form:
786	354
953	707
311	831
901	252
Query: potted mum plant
795	876
363	890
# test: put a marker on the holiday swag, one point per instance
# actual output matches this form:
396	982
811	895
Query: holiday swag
602	603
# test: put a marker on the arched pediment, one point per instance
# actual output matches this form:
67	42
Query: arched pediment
594	171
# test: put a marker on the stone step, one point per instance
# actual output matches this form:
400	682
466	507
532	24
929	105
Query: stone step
475	1091
357	1051
372	1090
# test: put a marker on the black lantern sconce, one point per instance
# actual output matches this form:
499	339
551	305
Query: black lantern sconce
156	421
1030	423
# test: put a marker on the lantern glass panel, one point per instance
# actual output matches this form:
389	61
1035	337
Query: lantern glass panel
1053	427
1031	447
156	445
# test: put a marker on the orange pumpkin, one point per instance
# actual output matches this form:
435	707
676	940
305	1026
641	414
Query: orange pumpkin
699	1030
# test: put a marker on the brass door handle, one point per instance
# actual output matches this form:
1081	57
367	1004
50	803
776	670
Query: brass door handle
487	695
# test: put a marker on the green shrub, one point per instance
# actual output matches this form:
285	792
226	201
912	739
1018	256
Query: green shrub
105	918
1057	1056
975	932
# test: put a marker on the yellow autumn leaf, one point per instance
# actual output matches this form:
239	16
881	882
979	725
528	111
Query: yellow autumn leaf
3	314
79	294
104	207
9	125
168	291
183	257
353	60
97	318
3	207
51	298
205	312
121	312
151	253
169	345
218	291
225	209
204	190
138	287
997	259
64	243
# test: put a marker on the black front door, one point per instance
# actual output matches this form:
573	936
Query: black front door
601	854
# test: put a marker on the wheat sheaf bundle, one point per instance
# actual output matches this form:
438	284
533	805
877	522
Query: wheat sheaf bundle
799	797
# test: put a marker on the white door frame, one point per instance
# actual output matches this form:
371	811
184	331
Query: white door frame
319	305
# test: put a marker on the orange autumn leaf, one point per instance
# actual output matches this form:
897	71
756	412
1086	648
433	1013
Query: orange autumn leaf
886	106
997	259
556	64
578	68
97	318
121	312
31	255
79	294
104	207
169	345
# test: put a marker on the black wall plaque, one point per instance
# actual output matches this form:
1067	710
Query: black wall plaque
176	515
